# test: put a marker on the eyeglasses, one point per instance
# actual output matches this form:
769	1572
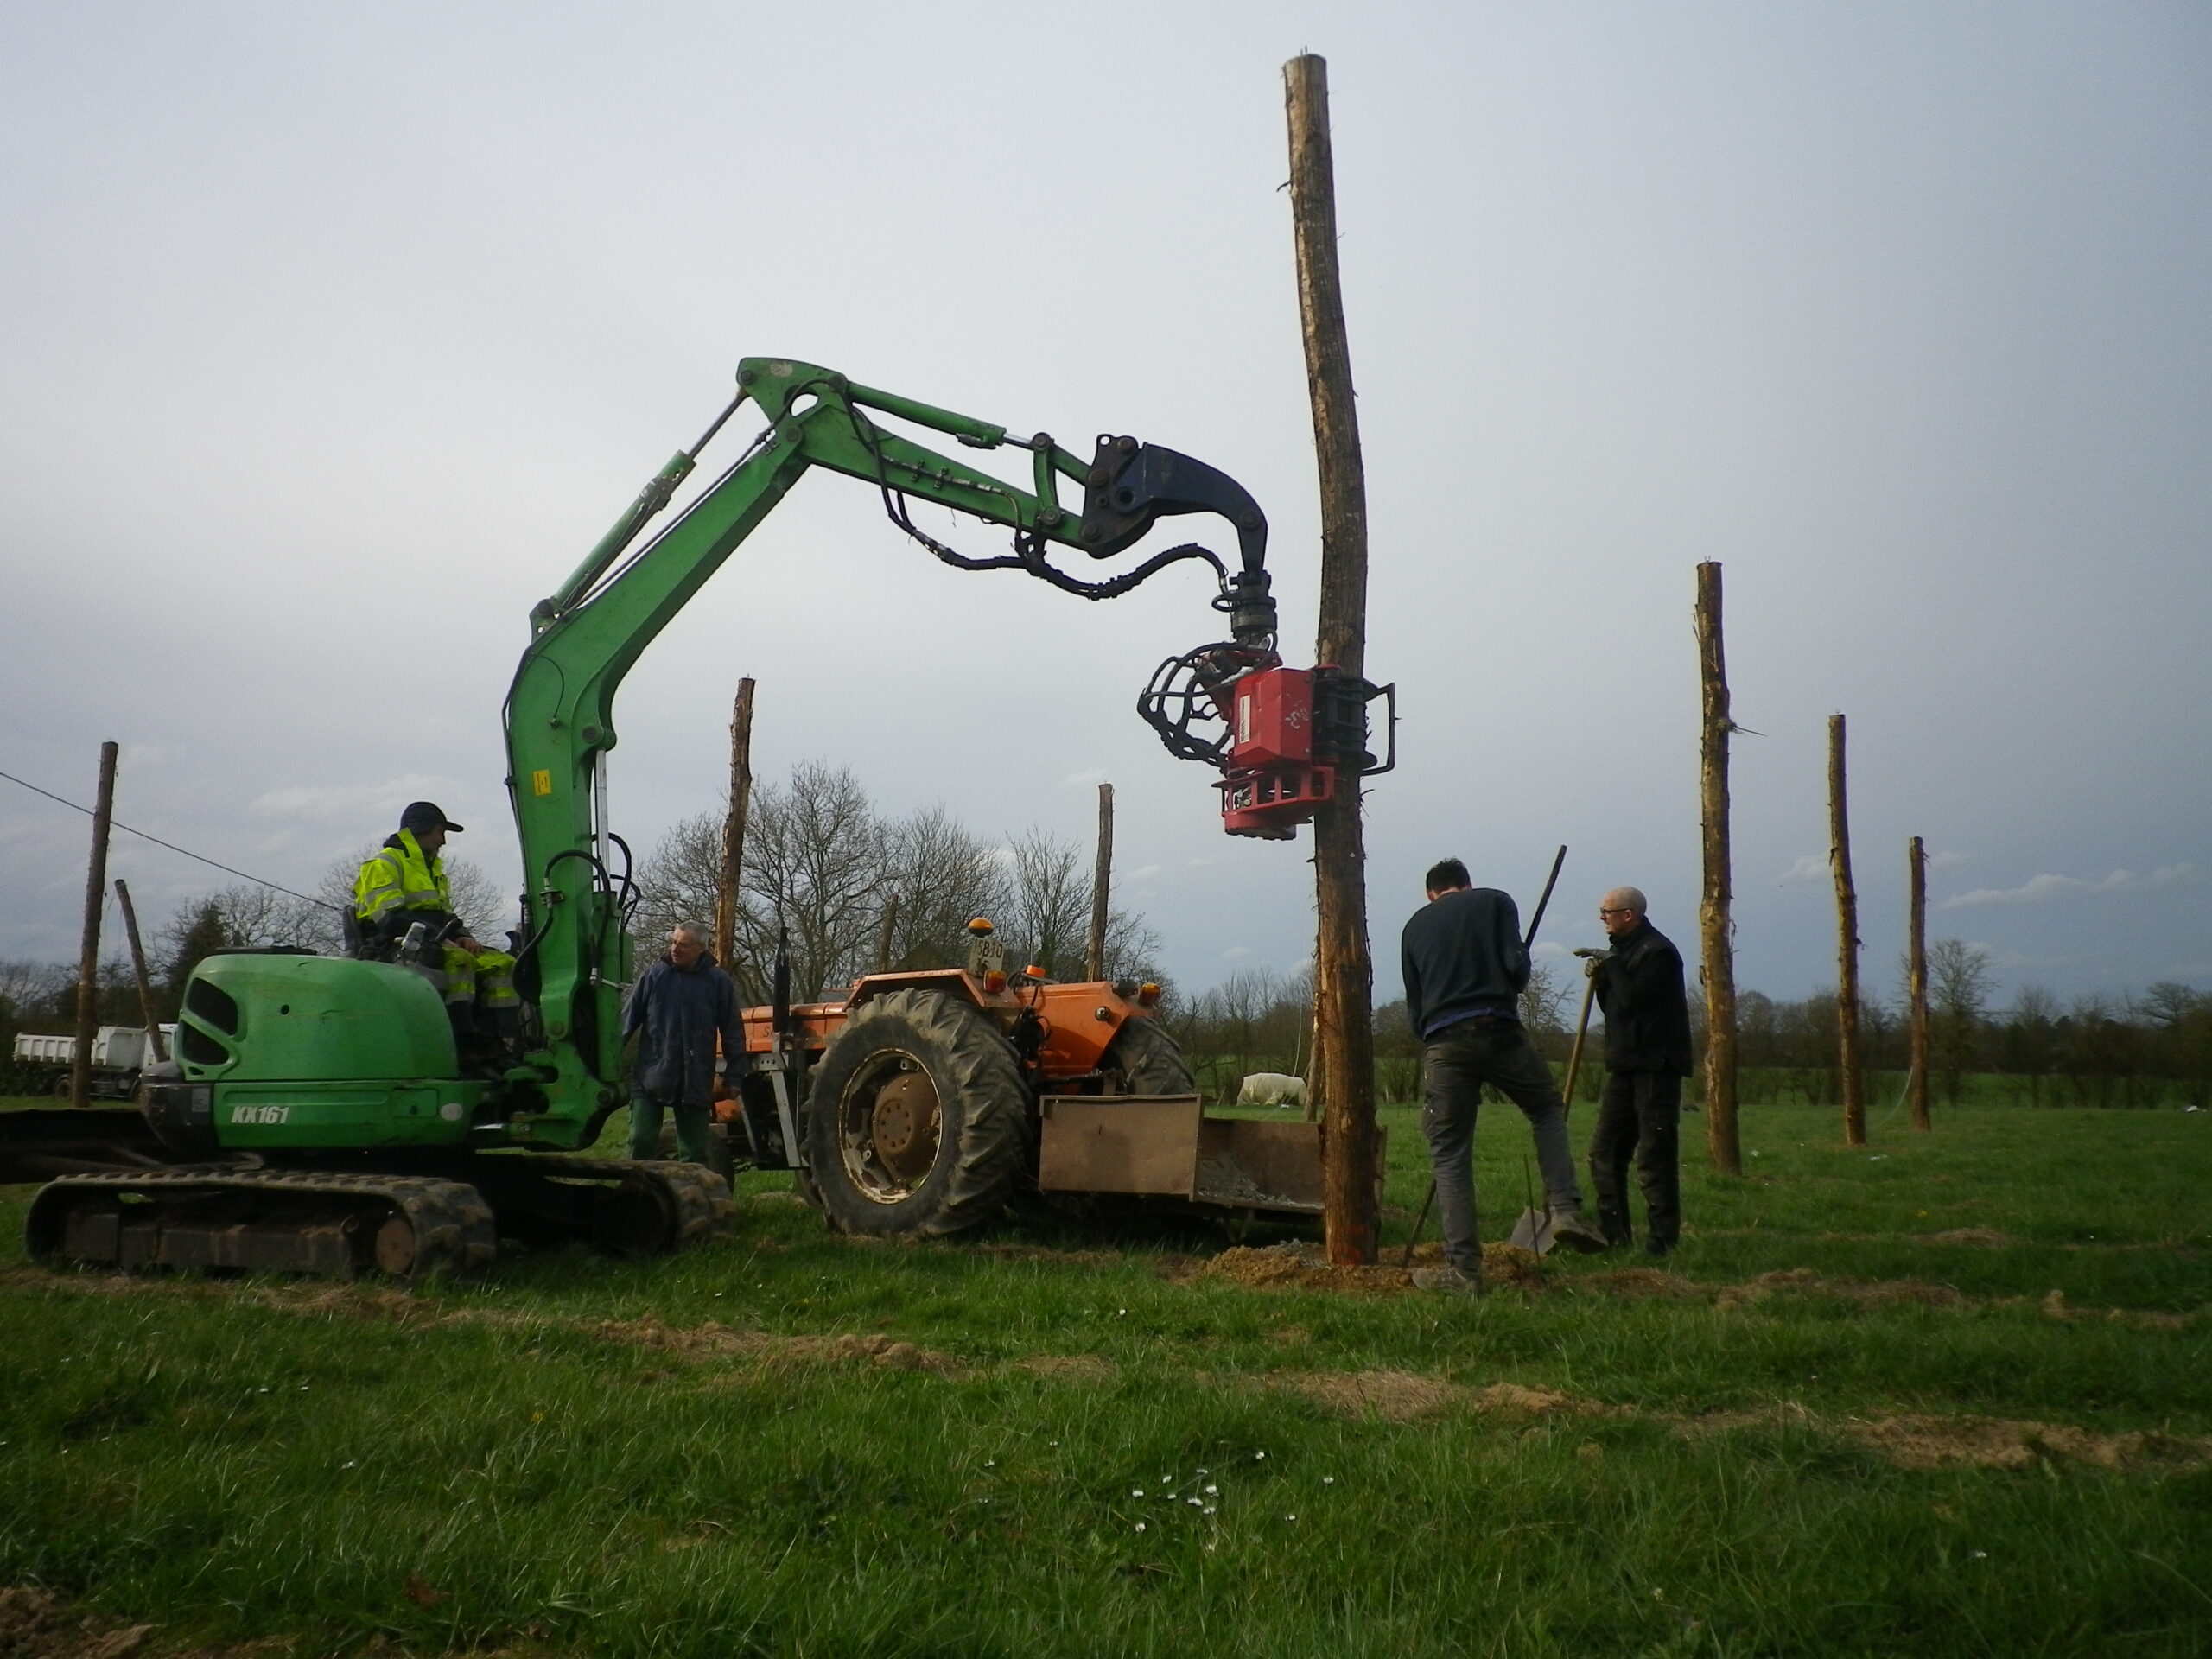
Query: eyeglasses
1602	910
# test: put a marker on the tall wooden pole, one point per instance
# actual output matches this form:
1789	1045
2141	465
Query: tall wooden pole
1850	1081
1101	882
88	957
161	1050
1716	932
1916	984
740	798
888	936
1343	974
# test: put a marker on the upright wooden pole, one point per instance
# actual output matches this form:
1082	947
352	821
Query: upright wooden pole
1343	974
888	936
1101	882
153	1041
1716	932
1916	985
740	798
1850	1081
88	957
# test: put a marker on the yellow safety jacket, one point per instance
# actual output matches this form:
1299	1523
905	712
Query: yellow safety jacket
398	877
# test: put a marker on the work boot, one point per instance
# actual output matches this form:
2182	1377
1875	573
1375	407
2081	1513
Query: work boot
1448	1278
1576	1231
1658	1247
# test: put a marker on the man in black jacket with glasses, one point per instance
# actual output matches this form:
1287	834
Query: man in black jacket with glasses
1639	985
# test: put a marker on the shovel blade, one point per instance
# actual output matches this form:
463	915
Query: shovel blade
1533	1232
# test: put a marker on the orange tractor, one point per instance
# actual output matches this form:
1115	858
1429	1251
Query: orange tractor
925	1103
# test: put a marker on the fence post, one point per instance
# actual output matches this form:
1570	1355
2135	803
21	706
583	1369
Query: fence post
1915	977
88	956
1343	973
1716	932
1849	1082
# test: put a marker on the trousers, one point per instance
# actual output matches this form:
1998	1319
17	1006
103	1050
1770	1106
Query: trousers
1455	1065
1639	1118
644	1129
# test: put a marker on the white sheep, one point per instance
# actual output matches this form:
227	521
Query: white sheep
1272	1089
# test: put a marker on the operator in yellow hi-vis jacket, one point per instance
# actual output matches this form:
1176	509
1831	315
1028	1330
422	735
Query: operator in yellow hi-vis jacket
403	884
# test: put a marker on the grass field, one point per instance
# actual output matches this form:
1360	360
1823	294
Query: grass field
1950	1394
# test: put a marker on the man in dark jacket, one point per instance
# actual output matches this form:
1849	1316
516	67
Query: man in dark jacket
676	1009
1639	984
1465	970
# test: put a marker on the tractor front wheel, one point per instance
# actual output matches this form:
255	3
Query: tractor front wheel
917	1121
1150	1061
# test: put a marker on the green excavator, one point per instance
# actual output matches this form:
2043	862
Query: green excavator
317	1116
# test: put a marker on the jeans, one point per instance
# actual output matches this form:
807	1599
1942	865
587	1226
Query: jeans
1640	1115
1455	1065
644	1129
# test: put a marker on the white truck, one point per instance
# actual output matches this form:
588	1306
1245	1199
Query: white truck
119	1054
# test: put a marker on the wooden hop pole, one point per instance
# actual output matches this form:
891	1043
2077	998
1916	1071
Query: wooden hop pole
1850	1081
1716	934
1916	978
161	1049
740	798
1343	974
1102	883
88	956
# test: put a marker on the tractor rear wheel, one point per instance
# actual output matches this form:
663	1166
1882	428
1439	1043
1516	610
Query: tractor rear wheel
1150	1061
918	1121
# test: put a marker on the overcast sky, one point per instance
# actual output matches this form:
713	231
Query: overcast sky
332	336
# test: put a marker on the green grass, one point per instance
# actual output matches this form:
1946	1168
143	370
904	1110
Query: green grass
260	1459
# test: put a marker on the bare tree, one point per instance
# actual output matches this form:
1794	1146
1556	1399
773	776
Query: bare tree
944	876
1959	979
1048	916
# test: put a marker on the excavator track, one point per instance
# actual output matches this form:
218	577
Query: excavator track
631	1209
409	1227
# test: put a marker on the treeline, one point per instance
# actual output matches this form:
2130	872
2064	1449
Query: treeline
850	889
2096	1050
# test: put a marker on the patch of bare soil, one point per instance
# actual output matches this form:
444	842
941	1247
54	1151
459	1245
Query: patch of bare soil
1884	1292
1925	1442
1638	1282
715	1341
1988	1236
1302	1267
38	1625
1069	1367
1406	1396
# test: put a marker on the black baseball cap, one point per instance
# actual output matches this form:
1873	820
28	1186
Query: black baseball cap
426	815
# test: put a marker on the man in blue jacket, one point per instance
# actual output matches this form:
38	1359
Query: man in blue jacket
1465	970
676	1010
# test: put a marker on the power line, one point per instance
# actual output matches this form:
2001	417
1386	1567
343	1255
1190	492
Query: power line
259	881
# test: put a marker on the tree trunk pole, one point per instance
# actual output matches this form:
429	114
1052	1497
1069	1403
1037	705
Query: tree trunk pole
1716	932
1851	1084
138	966
1915	976
1343	974
88	957
1102	883
884	939
740	798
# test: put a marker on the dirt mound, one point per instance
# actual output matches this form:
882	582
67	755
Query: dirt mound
1302	1267
1925	1442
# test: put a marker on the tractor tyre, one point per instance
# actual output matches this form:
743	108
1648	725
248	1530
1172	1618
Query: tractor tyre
1150	1061
917	1120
